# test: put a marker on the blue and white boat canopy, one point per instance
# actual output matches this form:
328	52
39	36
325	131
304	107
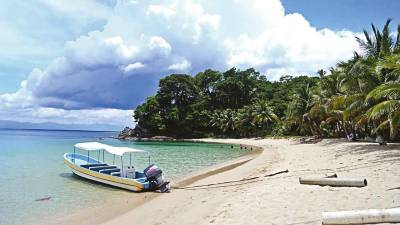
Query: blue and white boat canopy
96	146
90	146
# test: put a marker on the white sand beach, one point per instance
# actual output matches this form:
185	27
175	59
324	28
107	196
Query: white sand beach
280	199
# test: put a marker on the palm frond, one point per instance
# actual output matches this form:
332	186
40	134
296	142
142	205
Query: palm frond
384	91
331	119
397	44
361	120
354	109
383	109
366	45
384	125
386	39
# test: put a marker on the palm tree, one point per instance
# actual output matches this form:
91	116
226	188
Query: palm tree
216	120
396	48
379	44
321	73
263	115
244	123
330	85
389	68
225	121
229	121
385	110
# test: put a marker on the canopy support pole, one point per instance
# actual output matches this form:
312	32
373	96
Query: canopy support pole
87	157
122	166
103	157
73	158
149	158
98	156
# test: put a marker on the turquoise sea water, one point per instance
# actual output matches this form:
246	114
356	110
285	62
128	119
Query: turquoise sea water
32	167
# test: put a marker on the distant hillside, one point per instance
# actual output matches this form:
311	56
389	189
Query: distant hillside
7	124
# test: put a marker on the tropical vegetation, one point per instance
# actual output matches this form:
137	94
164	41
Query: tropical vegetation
357	98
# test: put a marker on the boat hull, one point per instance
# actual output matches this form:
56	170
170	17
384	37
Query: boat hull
136	185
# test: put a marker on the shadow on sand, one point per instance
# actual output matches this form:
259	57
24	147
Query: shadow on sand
383	153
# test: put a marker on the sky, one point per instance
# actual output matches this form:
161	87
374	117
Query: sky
93	61
354	15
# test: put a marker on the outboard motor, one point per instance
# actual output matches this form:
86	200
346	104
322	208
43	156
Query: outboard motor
156	179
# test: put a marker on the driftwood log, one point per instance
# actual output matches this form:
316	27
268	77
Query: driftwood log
336	182
310	140
362	216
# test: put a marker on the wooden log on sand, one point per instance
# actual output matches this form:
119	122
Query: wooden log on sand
362	216
336	182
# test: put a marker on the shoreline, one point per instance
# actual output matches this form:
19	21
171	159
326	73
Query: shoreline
121	206
277	200
206	175
281	199
220	167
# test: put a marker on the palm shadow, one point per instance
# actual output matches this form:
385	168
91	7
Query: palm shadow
382	153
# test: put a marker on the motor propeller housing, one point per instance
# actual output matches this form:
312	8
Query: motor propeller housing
156	179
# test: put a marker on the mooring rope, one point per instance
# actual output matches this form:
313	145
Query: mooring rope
232	181
294	174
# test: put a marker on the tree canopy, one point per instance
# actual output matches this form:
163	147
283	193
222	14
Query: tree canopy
356	98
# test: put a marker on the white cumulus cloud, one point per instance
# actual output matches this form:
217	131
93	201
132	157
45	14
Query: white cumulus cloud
184	65
151	39
132	66
161	10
